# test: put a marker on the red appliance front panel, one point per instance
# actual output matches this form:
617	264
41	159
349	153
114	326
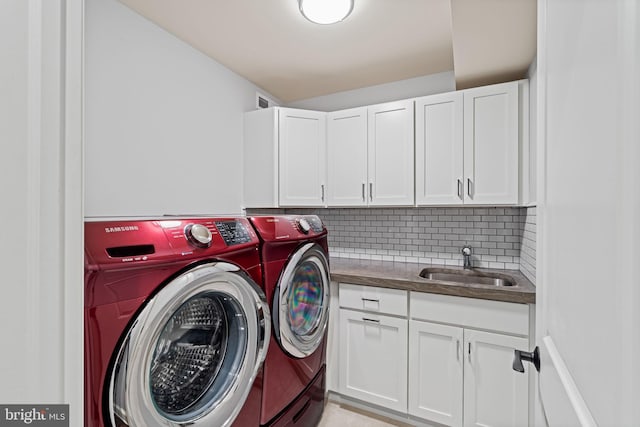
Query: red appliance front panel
307	409
126	262
285	377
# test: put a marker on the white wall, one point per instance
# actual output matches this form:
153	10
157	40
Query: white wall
163	121
13	161
419	86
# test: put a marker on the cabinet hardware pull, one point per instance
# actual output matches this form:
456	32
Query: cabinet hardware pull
469	187
460	189
371	191
364	198
370	300
322	188
533	357
457	349
469	352
366	319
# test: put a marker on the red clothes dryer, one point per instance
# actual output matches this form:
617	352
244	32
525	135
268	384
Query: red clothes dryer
175	326
294	256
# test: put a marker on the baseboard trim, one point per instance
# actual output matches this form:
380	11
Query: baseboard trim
376	411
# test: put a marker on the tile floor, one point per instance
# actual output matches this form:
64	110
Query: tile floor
336	415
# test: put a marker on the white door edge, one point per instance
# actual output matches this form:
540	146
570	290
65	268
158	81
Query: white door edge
553	369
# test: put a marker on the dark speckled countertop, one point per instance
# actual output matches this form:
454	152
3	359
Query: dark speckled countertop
406	276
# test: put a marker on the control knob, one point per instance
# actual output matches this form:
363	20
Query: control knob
198	235
303	225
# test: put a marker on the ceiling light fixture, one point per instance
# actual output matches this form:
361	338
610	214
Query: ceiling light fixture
325	11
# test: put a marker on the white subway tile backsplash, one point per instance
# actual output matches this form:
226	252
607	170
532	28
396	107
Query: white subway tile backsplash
528	244
502	238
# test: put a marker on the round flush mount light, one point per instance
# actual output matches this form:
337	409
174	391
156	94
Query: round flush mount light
325	11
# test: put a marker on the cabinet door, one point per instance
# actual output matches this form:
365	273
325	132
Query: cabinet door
491	144
373	358
260	159
439	149
435	372
391	164
494	394
347	157
302	157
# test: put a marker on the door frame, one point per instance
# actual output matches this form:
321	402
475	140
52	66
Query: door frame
74	208
54	212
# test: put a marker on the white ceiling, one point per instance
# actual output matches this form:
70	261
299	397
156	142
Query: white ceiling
271	44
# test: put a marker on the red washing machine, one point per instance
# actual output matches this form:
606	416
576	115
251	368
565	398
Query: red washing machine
295	265
175	326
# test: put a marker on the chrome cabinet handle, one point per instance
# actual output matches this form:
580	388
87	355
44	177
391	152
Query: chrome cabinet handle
370	300
458	350
322	189
469	187
460	189
469	354
371	191
364	198
366	319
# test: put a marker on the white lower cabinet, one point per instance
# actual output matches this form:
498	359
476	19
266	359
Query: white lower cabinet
439	358
494	394
372	353
462	377
435	372
460	374
373	358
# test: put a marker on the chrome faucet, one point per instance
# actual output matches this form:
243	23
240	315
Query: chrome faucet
466	254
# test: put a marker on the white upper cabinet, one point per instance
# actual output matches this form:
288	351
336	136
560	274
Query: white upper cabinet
468	145
302	157
491	144
391	142
347	157
284	158
439	149
260	159
370	155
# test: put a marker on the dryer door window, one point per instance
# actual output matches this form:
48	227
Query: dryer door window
301	301
191	355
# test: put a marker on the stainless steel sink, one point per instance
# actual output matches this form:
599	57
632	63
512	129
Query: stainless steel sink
466	277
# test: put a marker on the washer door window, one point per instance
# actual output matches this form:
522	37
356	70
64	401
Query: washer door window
192	354
301	303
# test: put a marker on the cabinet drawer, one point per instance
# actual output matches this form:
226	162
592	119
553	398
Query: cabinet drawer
373	299
497	316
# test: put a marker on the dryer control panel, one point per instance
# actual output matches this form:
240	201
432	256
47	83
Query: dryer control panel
315	223
288	227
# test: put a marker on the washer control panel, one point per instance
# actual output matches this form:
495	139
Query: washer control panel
233	232
198	235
